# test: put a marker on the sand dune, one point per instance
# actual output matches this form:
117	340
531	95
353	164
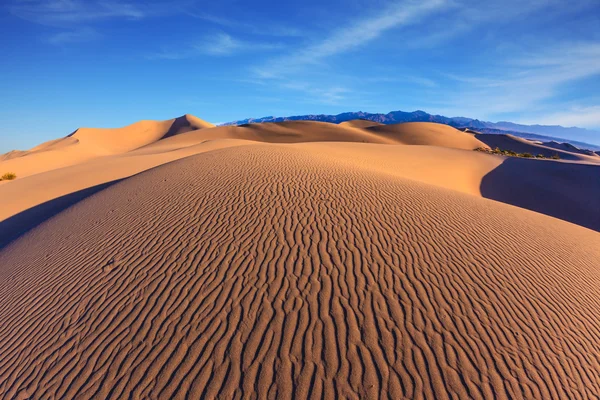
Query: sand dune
293	132
568	147
300	259
519	145
282	271
27	200
465	171
360	123
428	133
414	133
87	143
49	192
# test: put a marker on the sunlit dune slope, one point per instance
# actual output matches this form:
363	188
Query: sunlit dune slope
283	271
87	143
292	132
556	189
427	133
417	133
360	123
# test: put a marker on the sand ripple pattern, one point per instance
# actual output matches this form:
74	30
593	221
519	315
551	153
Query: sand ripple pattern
270	272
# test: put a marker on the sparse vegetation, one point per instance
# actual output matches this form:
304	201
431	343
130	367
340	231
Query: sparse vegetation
9	176
510	153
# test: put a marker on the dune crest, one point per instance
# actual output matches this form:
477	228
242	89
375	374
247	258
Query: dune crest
142	133
86	143
428	133
426	152
360	123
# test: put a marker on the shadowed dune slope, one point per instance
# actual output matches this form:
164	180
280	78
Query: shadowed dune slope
428	133
520	145
278	271
569	191
87	143
568	147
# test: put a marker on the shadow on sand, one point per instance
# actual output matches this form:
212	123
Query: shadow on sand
562	190
16	226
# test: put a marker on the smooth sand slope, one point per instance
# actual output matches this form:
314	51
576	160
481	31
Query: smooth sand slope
417	133
99	156
88	143
278	271
360	123
428	133
553	188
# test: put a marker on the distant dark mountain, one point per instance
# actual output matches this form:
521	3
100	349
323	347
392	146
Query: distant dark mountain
534	132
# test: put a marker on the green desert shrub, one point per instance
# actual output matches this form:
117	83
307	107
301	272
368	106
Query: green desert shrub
555	157
9	176
510	153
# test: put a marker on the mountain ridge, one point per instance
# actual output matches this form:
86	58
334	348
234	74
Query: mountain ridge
535	132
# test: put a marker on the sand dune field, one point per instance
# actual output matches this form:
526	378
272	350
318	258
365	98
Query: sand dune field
520	145
300	259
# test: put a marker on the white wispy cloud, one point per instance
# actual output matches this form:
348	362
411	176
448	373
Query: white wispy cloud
355	34
401	78
265	29
581	116
223	44
530	82
323	94
352	36
220	44
65	12
76	36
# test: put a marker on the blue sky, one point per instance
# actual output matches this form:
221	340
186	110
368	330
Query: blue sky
105	63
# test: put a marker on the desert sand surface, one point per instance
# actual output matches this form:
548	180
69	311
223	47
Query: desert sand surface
569	147
274	261
427	133
445	161
361	123
88	143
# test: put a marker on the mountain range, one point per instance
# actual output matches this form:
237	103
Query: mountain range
534	132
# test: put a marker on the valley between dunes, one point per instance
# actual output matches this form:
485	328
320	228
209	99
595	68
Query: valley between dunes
176	259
